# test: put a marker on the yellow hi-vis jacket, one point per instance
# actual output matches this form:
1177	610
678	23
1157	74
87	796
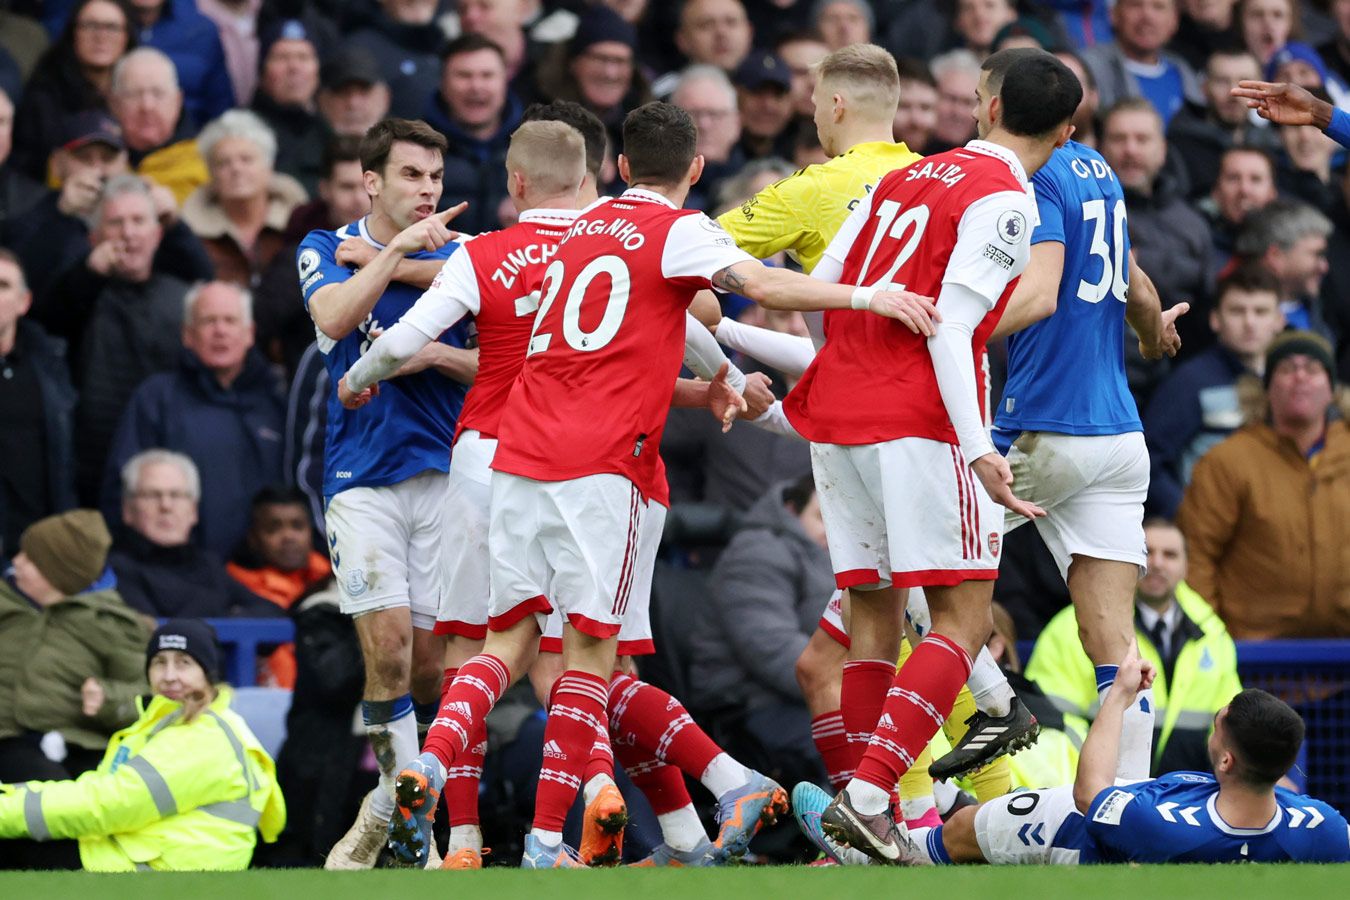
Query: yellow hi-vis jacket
1202	680
168	796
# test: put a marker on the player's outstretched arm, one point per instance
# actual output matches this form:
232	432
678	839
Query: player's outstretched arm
1156	329
419	273
725	402
338	308
787	353
1037	293
1097	762
777	288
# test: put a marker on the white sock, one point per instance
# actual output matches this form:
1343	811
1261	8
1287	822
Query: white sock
464	836
547	838
395	744
993	694
919	838
681	829
916	610
914	808
592	788
945	794
724	775
867	798
1136	739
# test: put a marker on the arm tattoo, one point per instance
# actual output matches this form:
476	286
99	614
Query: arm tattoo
729	280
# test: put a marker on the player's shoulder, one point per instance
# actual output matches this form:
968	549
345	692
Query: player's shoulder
324	239
1313	811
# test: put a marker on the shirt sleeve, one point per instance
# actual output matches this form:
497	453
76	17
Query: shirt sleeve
787	353
953	356
1049	209
316	264
831	265
767	222
992	244
698	248
1339	129
452	296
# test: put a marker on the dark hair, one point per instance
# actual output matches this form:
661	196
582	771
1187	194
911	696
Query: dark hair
279	495
583	120
471	42
1078	58
796	36
799	493
1249	277
1264	734
1164	522
1250	150
1038	92
912	69
384	134
659	140
340	148
59	64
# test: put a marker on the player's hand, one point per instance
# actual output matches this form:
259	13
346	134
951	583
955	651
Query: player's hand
1134	675
1283	104
92	696
429	234
996	476
758	395
354	253
915	311
707	310
724	400
1168	342
351	400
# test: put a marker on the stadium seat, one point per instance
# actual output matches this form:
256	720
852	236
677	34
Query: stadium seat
264	709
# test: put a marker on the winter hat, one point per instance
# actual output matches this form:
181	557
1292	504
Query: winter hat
70	549
600	24
1296	51
1308	343
194	637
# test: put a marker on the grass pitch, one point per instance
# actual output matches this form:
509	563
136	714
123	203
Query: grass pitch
745	883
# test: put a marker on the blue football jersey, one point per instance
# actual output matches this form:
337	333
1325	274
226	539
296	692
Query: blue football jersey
407	429
1174	819
1066	373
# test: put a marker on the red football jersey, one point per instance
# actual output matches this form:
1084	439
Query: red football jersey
491	278
608	343
963	217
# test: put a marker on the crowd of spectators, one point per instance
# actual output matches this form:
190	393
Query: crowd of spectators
160	160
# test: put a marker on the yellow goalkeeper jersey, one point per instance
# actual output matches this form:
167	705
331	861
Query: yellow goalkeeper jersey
802	213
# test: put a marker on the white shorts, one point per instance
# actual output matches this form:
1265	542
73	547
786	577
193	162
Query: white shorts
464	543
1036	828
832	619
1092	488
908	513
573	546
385	545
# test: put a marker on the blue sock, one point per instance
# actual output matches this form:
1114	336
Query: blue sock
426	713
936	850
1106	676
380	712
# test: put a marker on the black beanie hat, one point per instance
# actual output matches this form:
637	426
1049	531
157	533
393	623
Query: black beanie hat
1307	343
191	636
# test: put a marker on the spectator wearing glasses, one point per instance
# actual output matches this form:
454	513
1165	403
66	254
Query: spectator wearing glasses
160	572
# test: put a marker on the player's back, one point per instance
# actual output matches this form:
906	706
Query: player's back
1066	373
606	348
804	211
873	379
411	429
509	267
1175	819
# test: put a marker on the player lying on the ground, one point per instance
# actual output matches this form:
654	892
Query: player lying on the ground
1238	814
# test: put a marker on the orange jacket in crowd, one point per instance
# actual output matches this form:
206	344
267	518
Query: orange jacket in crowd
283	589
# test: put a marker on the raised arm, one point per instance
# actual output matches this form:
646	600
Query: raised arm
1097	762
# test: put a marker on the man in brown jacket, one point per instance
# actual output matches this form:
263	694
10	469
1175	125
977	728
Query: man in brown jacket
1267	512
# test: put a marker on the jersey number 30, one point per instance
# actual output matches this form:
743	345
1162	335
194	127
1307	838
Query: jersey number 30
620	283
1115	271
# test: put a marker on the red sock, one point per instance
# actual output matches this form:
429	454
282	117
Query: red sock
662	785
917	704
461	779
651	719
861	698
601	761
574	719
831	738
465	703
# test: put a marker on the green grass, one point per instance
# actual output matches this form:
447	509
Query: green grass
748	883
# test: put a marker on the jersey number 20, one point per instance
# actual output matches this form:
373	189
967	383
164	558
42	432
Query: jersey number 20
577	337
1115	267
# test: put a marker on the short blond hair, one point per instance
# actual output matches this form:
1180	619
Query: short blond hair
550	154
867	75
